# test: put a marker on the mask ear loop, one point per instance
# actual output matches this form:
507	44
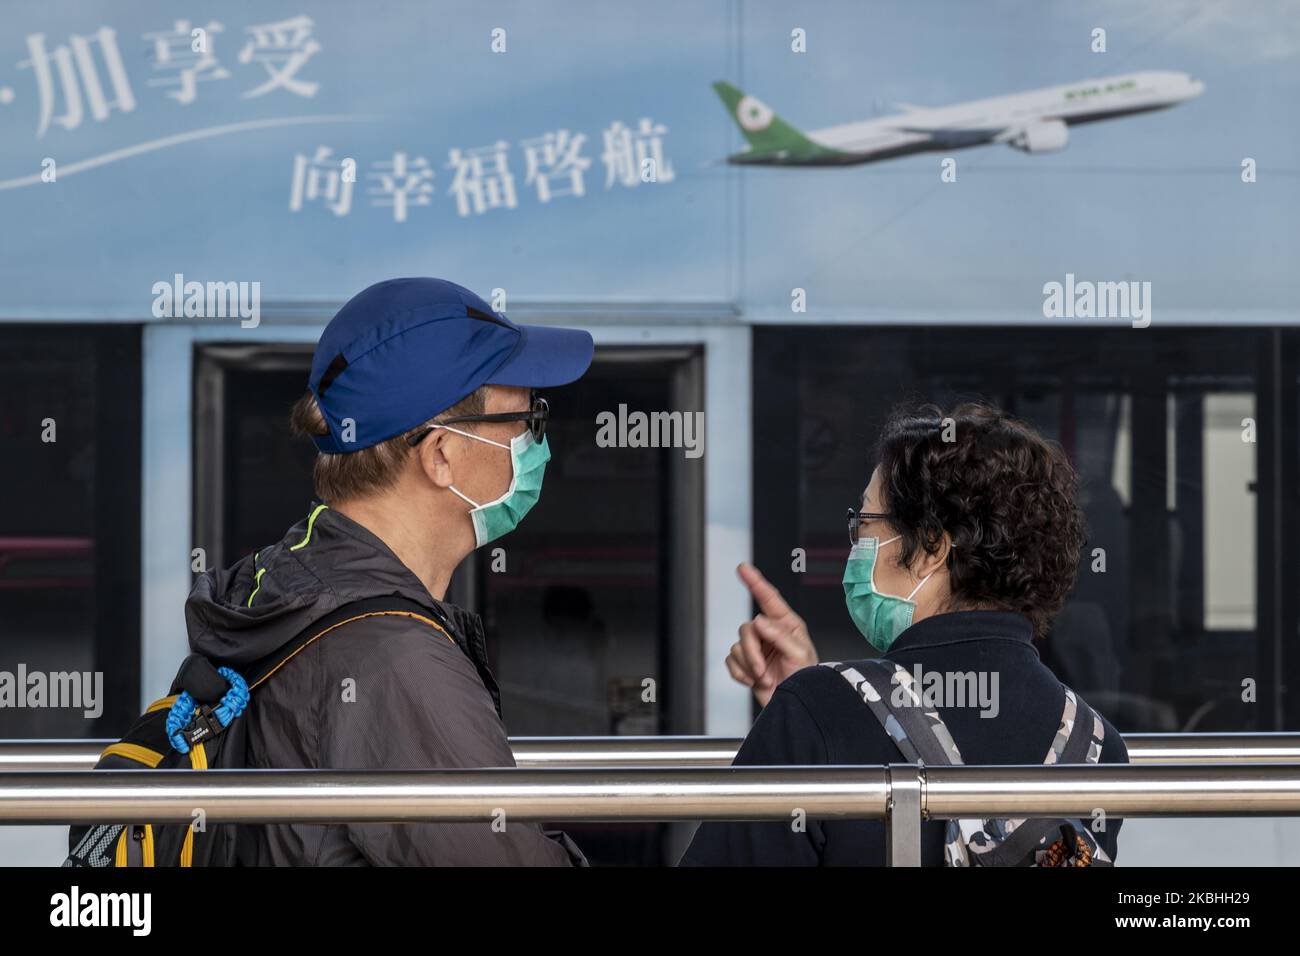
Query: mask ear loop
474	504
919	586
927	577
473	436
875	559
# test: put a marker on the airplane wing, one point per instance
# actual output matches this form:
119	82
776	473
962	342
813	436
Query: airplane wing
957	137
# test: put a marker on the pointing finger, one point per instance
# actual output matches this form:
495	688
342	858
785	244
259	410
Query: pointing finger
767	597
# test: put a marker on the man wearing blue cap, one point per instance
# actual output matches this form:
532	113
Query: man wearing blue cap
432	441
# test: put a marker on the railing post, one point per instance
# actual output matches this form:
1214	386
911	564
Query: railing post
903	814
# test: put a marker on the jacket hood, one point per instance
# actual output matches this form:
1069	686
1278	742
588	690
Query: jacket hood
245	612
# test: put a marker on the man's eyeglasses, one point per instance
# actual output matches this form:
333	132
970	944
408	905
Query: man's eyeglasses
857	518
536	417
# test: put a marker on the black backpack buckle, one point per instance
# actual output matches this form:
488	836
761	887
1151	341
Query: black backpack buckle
204	726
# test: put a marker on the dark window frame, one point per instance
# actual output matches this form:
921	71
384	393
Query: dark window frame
117	433
779	351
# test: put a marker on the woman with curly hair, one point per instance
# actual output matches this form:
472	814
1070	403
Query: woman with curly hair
964	547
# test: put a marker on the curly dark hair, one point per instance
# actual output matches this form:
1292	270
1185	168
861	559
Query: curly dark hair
1005	495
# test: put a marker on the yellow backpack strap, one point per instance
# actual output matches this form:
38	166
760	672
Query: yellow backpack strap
383	606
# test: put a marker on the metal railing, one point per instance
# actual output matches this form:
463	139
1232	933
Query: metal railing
578	752
902	795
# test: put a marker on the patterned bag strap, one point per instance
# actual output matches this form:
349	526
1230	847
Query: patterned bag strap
890	693
1009	842
1079	737
921	735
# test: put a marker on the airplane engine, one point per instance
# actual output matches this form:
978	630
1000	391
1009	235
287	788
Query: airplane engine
1041	137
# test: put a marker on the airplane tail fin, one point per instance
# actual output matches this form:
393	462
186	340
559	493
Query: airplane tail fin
771	139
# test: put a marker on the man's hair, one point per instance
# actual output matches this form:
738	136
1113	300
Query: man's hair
339	477
1005	495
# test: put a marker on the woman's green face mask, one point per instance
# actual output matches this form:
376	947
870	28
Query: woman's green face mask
880	617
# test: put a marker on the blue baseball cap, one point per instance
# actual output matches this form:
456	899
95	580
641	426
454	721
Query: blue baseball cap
404	350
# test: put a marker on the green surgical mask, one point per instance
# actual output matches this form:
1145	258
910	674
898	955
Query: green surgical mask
880	617
528	459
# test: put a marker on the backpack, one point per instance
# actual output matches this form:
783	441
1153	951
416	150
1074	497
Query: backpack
920	733
200	726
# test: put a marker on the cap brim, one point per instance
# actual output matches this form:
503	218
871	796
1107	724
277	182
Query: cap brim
546	357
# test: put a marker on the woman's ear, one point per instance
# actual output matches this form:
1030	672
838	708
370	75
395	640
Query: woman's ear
929	562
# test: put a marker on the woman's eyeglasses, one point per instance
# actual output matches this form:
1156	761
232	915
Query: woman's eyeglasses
536	417
857	518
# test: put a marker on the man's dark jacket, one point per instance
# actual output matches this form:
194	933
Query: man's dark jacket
815	717
383	692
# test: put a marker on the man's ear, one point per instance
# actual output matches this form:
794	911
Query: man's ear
432	457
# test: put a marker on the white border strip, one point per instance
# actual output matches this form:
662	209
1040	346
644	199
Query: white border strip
167	490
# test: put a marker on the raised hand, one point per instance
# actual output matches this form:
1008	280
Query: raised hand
774	644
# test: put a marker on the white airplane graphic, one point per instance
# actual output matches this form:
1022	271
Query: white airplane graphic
1035	122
